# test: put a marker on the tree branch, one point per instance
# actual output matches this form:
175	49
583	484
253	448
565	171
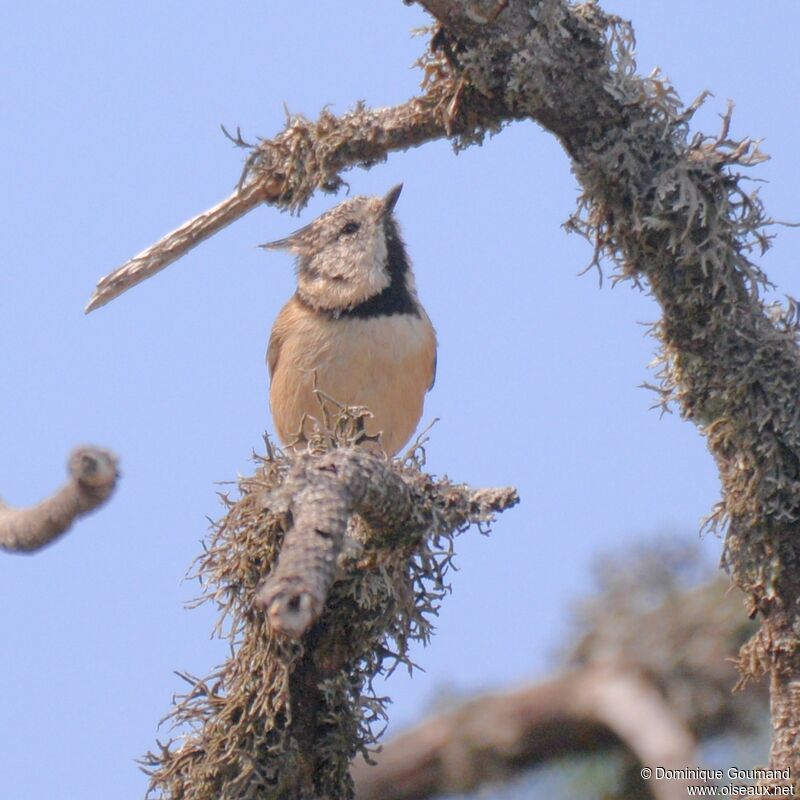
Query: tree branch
650	679
344	594
671	210
93	476
322	495
286	170
493	737
174	245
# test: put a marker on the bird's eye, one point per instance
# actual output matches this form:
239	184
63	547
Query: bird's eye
350	227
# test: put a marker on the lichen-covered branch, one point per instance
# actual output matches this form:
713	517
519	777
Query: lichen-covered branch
323	494
285	171
285	715
93	476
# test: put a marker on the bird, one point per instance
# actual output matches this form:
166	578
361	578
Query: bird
354	329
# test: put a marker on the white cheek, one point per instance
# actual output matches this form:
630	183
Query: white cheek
362	263
370	269
348	271
380	252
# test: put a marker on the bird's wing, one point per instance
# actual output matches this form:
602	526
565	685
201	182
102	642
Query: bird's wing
273	351
281	328
431	346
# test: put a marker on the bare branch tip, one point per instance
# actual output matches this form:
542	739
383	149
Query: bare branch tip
93	466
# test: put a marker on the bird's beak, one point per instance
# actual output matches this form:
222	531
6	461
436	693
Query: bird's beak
289	242
390	201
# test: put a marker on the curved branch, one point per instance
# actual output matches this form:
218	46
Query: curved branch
93	476
494	736
649	678
672	209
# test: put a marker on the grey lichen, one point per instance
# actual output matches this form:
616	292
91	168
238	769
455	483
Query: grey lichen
671	210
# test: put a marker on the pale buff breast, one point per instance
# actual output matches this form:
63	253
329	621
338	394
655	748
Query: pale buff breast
384	363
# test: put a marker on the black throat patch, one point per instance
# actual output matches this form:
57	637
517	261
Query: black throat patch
395	298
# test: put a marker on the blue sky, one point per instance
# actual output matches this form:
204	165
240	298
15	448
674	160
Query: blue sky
110	137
